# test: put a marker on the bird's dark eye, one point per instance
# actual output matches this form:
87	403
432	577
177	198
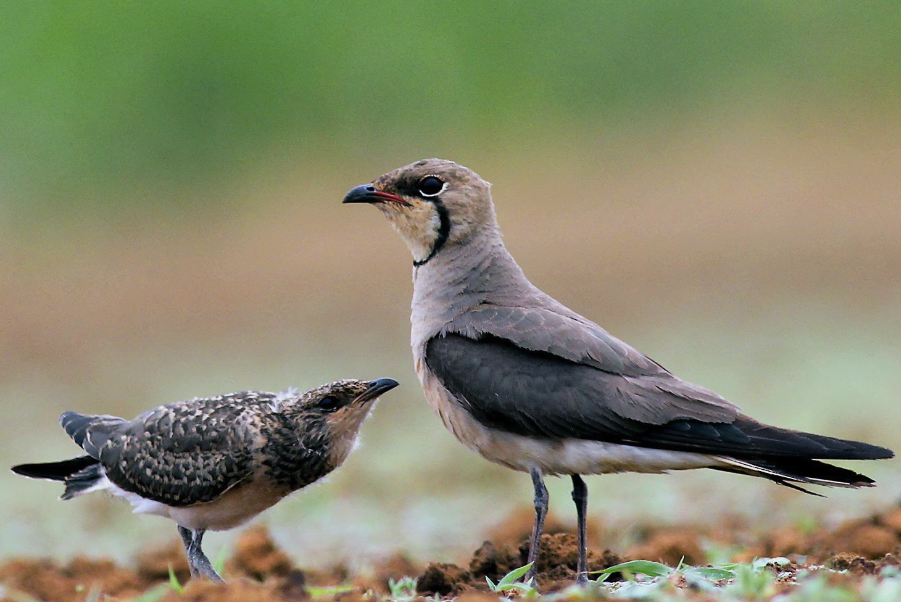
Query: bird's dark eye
330	403
430	186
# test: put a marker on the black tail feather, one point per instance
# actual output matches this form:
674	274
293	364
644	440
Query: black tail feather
54	471
775	441
82	481
787	471
79	474
747	438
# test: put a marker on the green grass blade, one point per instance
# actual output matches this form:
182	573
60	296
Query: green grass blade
514	575
712	573
332	590
636	567
173	581
153	594
219	565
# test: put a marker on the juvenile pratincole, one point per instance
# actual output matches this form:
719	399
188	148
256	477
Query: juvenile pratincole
214	463
534	386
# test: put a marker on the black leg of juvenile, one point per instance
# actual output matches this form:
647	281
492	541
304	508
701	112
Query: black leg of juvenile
580	497
197	560
541	505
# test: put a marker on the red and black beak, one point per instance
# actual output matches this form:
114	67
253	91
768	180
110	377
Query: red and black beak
367	193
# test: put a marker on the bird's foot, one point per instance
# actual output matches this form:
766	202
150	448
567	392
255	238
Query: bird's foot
201	567
197	561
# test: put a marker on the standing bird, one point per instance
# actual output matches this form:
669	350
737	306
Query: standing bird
534	386
213	463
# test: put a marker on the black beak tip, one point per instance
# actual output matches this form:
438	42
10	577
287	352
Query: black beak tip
360	194
382	385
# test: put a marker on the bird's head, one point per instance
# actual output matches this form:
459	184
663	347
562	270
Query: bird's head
333	413
343	405
433	204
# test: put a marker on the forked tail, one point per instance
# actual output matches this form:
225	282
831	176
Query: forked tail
81	474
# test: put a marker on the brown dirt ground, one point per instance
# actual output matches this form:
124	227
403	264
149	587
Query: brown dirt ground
259	571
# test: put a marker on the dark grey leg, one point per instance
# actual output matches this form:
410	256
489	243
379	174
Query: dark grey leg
541	499
197	560
580	497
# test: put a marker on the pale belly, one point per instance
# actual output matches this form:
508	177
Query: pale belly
553	457
234	508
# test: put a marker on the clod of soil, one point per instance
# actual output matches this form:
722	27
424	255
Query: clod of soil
257	556
153	565
442	578
671	546
237	590
259	571
493	563
559	557
395	567
45	580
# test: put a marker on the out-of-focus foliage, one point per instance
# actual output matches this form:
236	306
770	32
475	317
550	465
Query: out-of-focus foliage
100	96
716	182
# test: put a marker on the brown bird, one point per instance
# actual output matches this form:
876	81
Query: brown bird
210	464
534	386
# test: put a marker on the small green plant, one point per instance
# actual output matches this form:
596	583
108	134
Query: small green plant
403	589
656	578
332	590
636	567
510	583
153	594
219	565
173	581
753	581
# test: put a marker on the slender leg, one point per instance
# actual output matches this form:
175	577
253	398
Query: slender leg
541	499
580	497
197	560
187	538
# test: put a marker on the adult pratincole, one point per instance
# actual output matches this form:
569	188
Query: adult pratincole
534	386
214	463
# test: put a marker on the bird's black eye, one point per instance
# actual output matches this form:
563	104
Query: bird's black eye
330	403
430	186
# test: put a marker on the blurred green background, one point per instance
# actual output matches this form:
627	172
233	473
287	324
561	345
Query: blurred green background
717	183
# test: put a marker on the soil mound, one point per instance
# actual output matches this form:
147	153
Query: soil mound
259	571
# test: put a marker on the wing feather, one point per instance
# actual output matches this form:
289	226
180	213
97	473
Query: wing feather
178	454
538	394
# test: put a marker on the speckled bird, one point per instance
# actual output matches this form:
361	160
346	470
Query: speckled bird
211	464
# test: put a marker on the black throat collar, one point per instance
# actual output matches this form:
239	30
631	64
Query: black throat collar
443	232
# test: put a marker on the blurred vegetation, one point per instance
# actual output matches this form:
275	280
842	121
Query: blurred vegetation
101	98
715	182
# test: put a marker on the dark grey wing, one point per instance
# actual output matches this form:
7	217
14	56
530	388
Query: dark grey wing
179	454
541	395
638	388
538	394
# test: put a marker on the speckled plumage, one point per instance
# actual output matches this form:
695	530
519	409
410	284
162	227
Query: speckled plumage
191	452
212	463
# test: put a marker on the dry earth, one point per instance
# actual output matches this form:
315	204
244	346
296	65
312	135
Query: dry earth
259	571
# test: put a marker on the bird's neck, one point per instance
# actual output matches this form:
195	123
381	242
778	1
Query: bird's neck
461	277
